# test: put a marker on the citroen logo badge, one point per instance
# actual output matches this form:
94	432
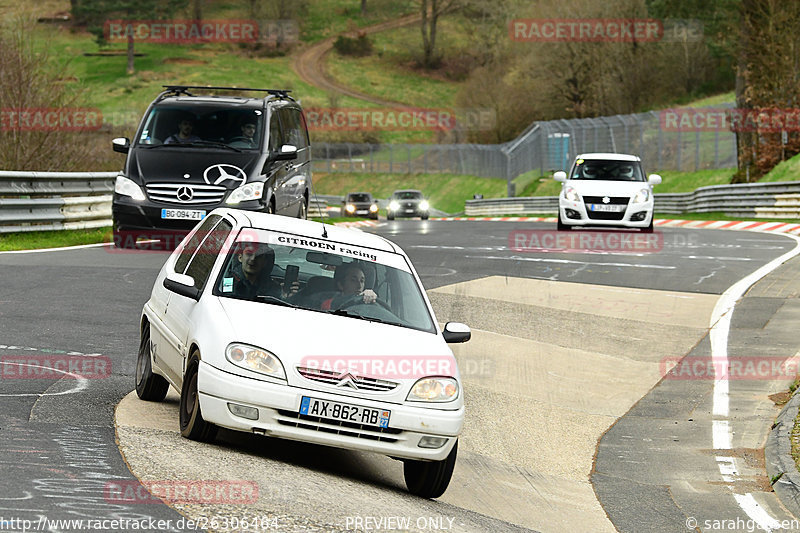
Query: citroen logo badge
216	174
347	381
606	199
185	194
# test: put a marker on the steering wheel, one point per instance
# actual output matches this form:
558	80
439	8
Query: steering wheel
242	139
357	299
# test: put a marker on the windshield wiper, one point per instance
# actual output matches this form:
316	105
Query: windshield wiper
273	300
196	143
344	312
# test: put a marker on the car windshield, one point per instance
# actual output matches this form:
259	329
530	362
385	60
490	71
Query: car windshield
332	277
359	197
202	126
408	195
597	169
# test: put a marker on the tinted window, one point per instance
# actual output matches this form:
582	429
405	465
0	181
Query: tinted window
598	169
292	126
275	137
194	242
408	195
208	124
359	198
203	261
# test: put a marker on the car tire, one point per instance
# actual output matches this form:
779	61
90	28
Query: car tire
149	387
302	214
648	229
560	226
429	479
193	426
389	217
424	217
271	207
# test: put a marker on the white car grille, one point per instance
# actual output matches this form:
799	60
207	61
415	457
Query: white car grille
348	429
185	194
340	379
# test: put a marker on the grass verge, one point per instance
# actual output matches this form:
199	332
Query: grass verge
36	240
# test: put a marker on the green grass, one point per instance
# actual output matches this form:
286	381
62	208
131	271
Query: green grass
788	170
445	192
35	240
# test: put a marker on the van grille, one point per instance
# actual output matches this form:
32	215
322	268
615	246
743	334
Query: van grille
199	194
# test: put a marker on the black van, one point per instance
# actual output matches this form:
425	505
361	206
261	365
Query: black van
194	152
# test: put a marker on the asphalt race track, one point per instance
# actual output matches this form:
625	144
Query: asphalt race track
571	423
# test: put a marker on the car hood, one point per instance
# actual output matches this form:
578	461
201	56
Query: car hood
170	165
299	336
608	188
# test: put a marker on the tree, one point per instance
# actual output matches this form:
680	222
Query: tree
97	13
431	10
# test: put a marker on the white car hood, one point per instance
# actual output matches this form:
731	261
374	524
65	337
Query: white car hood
296	334
607	188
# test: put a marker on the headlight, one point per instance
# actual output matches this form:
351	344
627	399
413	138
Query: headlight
393	206
248	191
424	205
642	196
350	208
572	195
255	359
127	187
373	208
434	390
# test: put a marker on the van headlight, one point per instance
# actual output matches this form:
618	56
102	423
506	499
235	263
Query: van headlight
248	191
571	194
434	390
424	205
127	187
255	359
642	196
394	206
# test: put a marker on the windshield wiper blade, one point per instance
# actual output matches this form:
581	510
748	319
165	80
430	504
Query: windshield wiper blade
213	143
344	312
273	300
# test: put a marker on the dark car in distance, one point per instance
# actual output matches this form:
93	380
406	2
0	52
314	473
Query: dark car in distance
407	203
360	204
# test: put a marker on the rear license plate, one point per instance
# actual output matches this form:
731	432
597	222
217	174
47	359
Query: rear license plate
182	214
345	412
610	208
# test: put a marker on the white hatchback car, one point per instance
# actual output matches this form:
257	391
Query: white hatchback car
606	190
294	329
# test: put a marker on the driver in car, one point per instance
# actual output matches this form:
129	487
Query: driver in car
349	279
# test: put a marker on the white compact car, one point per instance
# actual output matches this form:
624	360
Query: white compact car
294	329
606	190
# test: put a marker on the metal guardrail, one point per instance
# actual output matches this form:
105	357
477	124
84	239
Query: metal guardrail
38	201
752	200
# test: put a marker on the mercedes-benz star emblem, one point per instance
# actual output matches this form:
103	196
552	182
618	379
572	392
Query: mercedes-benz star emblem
216	174
606	199
185	194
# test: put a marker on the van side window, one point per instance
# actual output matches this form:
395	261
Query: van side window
275	139
293	131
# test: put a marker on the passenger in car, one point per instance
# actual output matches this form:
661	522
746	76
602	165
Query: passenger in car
349	279
251	272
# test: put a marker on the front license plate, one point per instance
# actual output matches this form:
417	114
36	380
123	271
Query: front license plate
409	210
610	208
345	412
362	212
182	214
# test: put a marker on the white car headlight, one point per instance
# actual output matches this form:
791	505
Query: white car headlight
350	208
434	390
641	196
424	205
373	208
571	194
248	191
393	206
127	187
255	359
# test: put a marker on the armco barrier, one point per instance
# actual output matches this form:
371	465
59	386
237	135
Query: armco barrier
38	201
753	200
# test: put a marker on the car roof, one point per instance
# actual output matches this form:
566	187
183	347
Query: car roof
350	193
307	228
608	156
407	190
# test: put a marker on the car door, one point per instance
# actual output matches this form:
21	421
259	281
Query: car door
179	316
275	171
295	134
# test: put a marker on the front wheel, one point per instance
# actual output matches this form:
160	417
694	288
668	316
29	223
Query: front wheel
193	426
560	226
648	229
149	387
429	479
302	214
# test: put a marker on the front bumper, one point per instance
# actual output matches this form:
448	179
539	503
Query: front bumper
278	416
636	215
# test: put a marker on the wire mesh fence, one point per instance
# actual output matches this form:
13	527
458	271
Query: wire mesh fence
544	147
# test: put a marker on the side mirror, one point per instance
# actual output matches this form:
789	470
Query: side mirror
121	145
456	332
287	153
182	284
560	176
653	179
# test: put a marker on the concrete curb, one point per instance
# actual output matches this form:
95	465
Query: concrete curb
779	460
